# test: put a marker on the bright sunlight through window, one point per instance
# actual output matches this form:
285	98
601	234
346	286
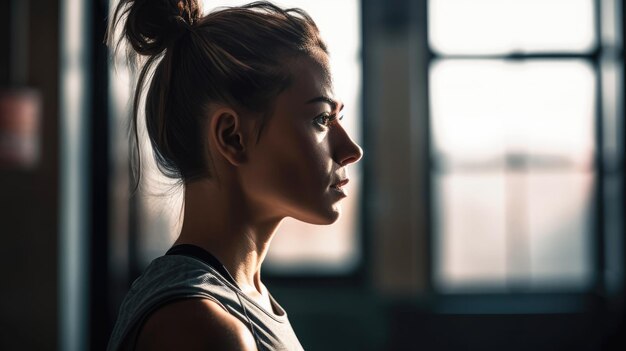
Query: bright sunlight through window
513	144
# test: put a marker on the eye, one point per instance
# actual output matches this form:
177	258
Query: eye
322	120
325	119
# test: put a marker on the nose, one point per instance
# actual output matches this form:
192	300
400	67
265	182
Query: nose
345	150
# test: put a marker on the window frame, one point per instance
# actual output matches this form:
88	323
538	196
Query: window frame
475	300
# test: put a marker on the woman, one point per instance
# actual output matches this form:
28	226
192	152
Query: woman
240	108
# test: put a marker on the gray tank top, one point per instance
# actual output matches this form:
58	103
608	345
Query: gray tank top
174	277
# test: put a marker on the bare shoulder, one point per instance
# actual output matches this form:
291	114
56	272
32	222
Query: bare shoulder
194	324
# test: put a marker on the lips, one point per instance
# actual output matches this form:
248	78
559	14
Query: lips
340	184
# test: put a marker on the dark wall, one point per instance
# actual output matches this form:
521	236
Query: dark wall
574	332
29	209
4	42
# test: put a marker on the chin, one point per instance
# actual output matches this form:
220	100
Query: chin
324	217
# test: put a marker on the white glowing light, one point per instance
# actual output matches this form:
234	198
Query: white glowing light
483	109
505	26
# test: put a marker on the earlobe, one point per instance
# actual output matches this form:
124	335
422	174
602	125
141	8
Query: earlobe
228	136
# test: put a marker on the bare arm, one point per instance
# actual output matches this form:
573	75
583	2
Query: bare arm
194	324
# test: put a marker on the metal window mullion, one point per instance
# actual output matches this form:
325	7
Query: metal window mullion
597	244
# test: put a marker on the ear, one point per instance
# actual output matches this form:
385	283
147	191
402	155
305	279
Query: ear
225	130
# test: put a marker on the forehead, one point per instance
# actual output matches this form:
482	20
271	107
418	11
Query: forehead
309	91
311	77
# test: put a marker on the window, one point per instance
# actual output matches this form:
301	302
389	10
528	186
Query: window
521	95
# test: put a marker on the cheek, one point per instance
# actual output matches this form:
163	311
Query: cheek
304	163
294	168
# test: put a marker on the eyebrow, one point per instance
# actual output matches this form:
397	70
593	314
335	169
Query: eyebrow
327	100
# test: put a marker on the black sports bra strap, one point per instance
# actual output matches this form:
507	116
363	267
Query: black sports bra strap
203	255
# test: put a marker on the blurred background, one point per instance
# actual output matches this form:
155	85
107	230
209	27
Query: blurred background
487	213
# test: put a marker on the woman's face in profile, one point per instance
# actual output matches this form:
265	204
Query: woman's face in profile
302	152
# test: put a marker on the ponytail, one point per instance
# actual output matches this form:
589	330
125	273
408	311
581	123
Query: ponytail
152	26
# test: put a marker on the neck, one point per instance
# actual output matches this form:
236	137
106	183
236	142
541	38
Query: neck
218	219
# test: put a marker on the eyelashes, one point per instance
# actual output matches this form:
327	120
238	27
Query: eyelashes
326	119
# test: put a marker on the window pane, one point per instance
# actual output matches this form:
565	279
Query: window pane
481	27
513	198
470	230
506	230
483	110
559	228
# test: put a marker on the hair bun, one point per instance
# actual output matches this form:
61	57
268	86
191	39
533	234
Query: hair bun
153	25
